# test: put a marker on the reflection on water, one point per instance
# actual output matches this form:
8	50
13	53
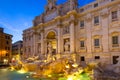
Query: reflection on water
6	74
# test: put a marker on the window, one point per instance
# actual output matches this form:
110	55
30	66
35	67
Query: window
96	43
39	36
82	24
82	44
97	57
5	48
8	48
25	39
96	20
24	49
114	16
115	61
115	41
8	37
82	58
7	54
29	50
29	38
7	42
95	5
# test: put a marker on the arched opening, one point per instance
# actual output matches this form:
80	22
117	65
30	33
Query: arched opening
51	43
51	35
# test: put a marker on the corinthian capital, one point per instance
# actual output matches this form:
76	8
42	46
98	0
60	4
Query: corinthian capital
104	12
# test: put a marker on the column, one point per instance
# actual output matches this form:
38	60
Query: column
34	39
42	43
72	37
59	39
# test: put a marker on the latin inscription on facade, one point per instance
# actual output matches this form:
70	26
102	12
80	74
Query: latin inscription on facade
50	16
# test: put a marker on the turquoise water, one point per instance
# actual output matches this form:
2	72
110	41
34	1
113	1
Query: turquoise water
6	74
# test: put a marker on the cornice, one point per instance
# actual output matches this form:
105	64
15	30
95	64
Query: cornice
99	8
57	19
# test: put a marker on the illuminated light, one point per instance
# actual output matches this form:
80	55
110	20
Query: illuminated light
70	78
4	52
13	59
5	61
75	65
11	68
67	66
80	71
49	75
45	60
27	76
22	71
4	70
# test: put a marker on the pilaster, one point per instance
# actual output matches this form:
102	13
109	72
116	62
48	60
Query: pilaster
42	42
88	19
35	45
105	29
59	38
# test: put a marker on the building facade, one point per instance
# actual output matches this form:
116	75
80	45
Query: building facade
17	48
5	46
92	32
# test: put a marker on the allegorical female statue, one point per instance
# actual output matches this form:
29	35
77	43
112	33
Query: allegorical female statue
67	45
50	48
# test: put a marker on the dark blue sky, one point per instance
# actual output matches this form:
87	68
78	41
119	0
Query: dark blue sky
17	15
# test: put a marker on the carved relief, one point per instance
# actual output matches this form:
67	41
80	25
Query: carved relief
88	17
66	30
50	16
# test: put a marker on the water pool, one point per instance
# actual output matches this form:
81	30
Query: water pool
6	74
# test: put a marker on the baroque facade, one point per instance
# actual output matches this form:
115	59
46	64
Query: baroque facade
5	46
92	32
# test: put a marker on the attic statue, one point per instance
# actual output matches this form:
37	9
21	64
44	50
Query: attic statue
51	4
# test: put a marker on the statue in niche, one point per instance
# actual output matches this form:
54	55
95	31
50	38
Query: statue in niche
50	48
39	48
117	66
118	59
66	30
67	46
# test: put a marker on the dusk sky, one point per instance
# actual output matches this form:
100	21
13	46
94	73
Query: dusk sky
17	15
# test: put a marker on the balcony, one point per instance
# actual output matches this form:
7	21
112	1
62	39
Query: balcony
83	49
97	49
115	45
